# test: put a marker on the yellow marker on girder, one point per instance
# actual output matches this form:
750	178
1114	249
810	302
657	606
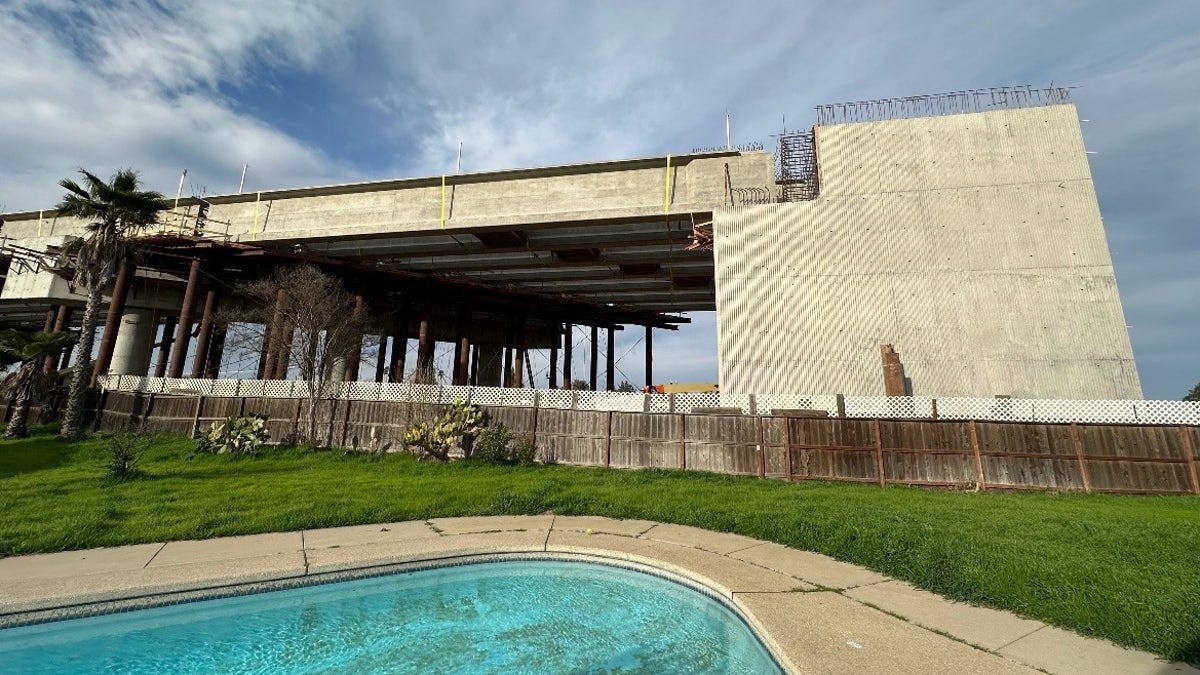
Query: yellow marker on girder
667	188
254	230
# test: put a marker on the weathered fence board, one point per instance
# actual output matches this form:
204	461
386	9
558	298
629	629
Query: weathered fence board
953	453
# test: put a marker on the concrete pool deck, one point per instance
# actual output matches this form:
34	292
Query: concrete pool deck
819	615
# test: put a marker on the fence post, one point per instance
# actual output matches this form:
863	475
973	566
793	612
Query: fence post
1083	472
146	411
533	422
645	403
100	404
670	403
762	450
841	406
753	405
973	434
346	421
933	408
574	400
1185	435
608	441
878	451
196	417
682	441
237	387
787	447
242	406
296	419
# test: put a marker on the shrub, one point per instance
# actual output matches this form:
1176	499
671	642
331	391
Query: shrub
125	449
492	444
524	452
238	436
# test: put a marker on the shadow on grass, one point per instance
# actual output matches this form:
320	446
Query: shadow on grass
36	453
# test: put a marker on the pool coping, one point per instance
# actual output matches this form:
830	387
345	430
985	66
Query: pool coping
815	614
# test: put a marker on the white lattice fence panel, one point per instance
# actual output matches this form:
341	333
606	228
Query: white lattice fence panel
252	388
424	393
363	391
276	388
619	401
739	401
659	403
393	391
225	387
456	393
890	406
488	395
588	400
999	409
1170	412
179	385
561	399
684	403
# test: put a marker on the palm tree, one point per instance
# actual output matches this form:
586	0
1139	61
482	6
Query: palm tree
30	350
116	211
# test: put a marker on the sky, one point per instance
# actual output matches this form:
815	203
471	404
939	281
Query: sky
311	92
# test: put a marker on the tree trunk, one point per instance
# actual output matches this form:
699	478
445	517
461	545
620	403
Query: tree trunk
72	426
18	425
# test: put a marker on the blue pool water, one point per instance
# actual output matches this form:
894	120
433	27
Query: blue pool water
497	617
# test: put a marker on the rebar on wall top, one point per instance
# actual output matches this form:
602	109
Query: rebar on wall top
797	165
948	103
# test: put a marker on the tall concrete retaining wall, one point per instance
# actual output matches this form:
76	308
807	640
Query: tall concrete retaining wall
973	243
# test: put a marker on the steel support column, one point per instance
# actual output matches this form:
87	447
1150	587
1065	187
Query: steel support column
611	364
164	346
462	349
425	347
272	338
61	318
552	378
518	374
354	358
216	351
509	339
568	344
649	356
183	334
200	362
595	360
381	357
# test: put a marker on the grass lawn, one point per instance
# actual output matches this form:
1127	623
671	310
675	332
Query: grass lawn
1123	568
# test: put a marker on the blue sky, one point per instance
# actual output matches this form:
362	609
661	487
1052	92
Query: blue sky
310	92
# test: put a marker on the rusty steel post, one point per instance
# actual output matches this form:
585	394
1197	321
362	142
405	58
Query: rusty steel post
200	363
183	334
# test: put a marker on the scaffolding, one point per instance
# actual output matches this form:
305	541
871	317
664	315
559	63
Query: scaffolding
797	166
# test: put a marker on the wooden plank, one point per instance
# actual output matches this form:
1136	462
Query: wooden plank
345	423
973	434
1083	470
762	450
1189	454
787	450
196	417
608	441
683	441
878	452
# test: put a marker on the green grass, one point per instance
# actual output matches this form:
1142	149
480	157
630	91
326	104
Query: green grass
1123	568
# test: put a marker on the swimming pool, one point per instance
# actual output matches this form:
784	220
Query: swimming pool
508	616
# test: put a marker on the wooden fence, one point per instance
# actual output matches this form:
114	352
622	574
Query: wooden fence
1122	458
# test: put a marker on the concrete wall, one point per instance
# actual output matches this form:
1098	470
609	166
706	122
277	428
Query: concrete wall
972	243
